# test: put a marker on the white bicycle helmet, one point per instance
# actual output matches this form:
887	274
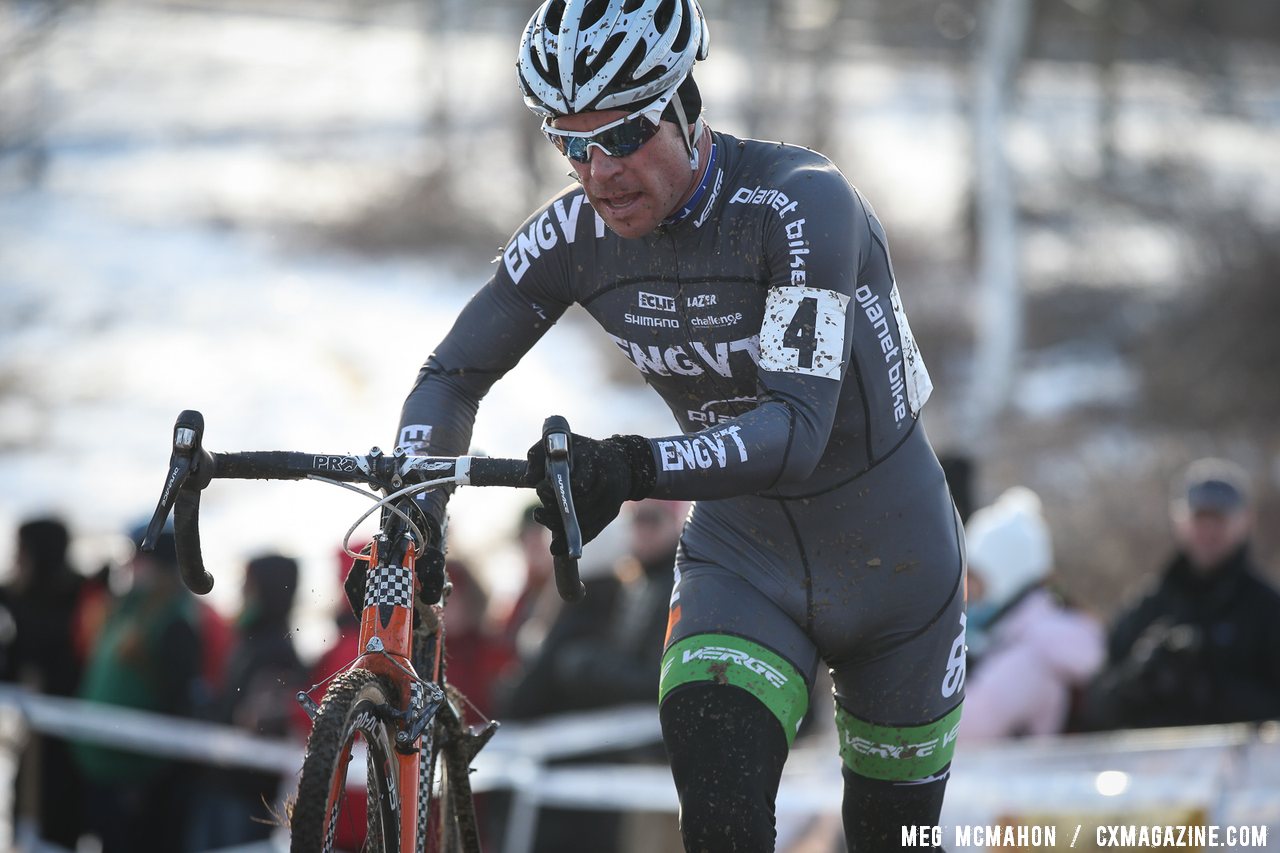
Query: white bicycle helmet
583	55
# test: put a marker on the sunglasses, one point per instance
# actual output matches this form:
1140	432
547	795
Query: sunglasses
619	138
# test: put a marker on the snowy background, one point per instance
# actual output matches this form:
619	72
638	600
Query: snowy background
270	212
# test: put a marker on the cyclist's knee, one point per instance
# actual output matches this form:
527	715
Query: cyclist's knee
894	777
726	751
722	659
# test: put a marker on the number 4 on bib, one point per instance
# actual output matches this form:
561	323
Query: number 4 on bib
803	331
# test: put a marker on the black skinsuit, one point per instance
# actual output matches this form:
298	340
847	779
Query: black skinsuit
769	322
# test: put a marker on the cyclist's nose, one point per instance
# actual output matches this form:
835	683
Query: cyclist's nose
600	166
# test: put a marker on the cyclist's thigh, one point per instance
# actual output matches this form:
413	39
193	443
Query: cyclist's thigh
888	569
724	630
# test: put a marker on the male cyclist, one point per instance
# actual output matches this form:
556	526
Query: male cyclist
751	285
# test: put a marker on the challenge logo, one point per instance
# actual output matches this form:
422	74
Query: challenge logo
720	653
657	302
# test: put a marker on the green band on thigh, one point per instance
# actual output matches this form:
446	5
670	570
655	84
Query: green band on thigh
726	659
897	753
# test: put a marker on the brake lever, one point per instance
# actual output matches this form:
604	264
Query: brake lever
190	470
558	443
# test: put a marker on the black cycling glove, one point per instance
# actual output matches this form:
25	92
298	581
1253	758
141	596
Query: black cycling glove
605	474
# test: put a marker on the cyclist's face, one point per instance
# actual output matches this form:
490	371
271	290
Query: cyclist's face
633	194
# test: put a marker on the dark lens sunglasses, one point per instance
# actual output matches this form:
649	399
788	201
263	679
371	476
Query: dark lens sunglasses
616	139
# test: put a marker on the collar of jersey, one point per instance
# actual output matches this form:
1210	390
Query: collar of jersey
692	204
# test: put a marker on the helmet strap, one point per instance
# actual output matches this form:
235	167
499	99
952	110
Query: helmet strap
690	136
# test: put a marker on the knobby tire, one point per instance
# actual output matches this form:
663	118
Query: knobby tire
347	714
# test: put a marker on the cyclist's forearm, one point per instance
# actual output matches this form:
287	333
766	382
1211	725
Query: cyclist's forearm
779	442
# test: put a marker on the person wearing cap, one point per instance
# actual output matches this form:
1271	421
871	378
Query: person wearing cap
1028	651
750	284
1203	646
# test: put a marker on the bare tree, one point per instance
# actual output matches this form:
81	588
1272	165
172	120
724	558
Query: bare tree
999	332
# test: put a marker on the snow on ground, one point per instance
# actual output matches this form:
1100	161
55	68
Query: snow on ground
148	273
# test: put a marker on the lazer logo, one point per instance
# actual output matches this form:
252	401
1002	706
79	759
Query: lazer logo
761	195
542	235
702	451
344	464
900	751
720	653
709	414
702	300
954	678
678	360
656	302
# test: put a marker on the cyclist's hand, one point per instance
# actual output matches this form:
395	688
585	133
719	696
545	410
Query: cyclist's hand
605	474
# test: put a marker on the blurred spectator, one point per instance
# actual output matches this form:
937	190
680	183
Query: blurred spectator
476	657
1204	646
147	656
38	612
1030	654
603	653
263	675
535	548
609	652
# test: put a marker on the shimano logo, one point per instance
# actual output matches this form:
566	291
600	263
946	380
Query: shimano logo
651	322
720	653
657	302
702	451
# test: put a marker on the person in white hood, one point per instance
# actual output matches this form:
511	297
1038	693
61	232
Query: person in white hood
1029	652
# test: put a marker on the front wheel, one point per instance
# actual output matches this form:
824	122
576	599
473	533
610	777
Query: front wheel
329	814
